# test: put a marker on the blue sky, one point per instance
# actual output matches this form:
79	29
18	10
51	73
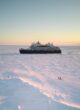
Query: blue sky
44	20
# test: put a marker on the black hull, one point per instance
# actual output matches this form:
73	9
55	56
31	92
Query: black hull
25	51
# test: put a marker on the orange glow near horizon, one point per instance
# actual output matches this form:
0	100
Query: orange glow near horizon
55	38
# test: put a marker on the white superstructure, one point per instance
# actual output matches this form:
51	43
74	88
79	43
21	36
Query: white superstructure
39	46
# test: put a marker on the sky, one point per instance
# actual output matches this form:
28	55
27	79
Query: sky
25	21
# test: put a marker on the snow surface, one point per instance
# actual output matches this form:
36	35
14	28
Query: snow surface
31	82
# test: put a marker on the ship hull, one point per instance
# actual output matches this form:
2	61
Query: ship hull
27	51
